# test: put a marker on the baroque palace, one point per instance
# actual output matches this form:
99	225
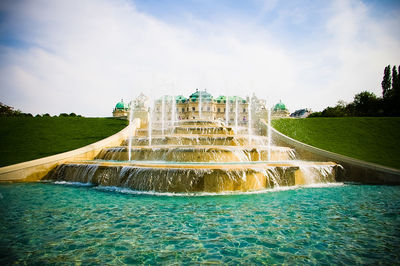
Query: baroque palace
200	105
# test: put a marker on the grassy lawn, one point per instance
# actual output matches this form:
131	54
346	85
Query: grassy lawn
372	139
25	138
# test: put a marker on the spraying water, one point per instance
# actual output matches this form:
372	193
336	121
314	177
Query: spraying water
200	107
197	155
131	131
227	110
149	125
249	121
269	134
236	115
173	114
162	115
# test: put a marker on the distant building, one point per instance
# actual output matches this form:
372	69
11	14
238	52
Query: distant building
202	105
280	111
199	105
302	113
121	110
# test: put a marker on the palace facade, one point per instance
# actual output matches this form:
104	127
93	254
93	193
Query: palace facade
200	105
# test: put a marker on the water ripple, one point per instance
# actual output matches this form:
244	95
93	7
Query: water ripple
47	223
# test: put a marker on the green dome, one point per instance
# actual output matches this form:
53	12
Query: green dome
180	99
205	96
221	99
232	99
279	107
121	106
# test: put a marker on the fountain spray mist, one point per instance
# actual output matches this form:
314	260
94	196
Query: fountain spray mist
149	122
227	110
249	131
236	116
173	111
162	115
269	134
200	107
131	131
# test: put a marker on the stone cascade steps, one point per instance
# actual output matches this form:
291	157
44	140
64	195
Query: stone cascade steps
200	153
191	177
196	156
199	139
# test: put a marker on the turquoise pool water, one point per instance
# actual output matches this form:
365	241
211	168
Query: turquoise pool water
47	223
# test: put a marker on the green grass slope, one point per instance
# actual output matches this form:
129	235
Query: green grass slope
372	139
25	138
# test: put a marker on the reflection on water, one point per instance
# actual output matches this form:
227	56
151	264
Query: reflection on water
47	223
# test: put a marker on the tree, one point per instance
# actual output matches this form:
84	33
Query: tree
395	95
396	81
338	111
386	82
366	104
6	110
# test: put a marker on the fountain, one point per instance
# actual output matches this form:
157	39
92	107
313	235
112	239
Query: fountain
226	110
249	122
131	131
196	155
149	126
173	110
200	105
236	114
269	135
162	114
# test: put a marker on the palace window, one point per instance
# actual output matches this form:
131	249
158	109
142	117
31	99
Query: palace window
183	110
193	109
208	109
219	110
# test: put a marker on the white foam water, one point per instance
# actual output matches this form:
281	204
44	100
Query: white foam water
77	184
204	194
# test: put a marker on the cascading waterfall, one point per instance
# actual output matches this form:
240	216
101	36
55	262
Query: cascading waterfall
317	174
196	155
131	132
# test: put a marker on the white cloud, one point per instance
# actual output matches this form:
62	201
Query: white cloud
83	56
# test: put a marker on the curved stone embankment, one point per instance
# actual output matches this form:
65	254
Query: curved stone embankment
36	169
354	170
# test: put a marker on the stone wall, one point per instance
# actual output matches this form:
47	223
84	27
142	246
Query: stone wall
354	170
36	169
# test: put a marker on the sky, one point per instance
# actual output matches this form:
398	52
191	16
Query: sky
84	56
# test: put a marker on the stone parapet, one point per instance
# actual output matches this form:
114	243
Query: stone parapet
36	169
354	170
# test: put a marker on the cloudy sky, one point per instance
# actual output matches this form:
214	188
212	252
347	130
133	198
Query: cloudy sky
83	56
